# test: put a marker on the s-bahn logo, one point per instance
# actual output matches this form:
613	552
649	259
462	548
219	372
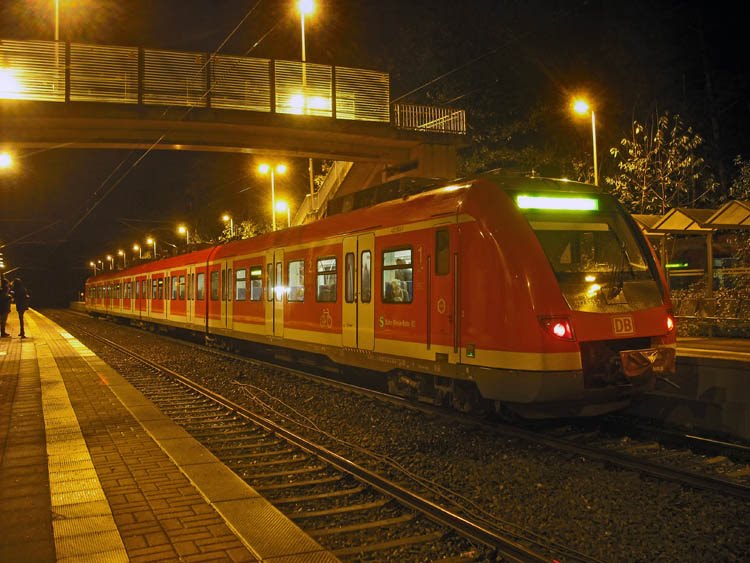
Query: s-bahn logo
623	325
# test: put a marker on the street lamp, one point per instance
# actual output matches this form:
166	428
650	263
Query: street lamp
581	107
6	160
265	169
282	206
124	258
111	262
93	266
227	218
183	230
137	248
306	7
152	241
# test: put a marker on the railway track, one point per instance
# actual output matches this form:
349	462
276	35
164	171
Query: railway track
350	510
580	443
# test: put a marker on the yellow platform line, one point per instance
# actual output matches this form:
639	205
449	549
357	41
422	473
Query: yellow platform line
83	526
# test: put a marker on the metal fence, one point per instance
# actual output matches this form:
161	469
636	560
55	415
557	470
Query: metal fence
73	72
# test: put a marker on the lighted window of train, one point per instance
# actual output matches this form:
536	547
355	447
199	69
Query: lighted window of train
269	282
229	284
256	283
160	288
397	276
175	286
200	286
326	284
240	284
181	288
442	252
349	268
296	277
214	286
366	277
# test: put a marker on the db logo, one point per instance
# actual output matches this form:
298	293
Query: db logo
623	325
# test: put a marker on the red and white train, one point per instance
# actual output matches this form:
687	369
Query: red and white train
537	295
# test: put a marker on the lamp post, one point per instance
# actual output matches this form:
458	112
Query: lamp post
183	230
137	248
306	7
227	218
124	258
582	107
282	206
111	262
152	241
265	169
93	266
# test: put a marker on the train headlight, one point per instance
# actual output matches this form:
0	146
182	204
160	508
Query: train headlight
670	321
559	327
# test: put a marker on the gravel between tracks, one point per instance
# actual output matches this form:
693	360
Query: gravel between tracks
609	514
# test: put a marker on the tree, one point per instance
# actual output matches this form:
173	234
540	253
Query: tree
660	167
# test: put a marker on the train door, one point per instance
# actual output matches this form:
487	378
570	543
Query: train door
358	315
442	291
275	293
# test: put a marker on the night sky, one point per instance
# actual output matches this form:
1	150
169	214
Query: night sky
500	60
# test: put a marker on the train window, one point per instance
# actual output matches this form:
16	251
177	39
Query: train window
256	283
214	287
442	252
366	277
296	277
326	288
153	289
229	284
397	276
269	282
160	288
200	286
349	268
190	286
240	284
167	285
181	288
175	286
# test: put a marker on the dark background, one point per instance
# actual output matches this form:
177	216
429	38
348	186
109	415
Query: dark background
513	65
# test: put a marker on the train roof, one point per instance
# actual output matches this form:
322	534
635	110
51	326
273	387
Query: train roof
445	199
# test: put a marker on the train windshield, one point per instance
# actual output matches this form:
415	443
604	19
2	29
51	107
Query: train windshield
598	258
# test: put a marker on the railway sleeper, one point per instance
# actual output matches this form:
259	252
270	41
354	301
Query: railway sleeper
308	498
299	484
392	544
385	523
364	507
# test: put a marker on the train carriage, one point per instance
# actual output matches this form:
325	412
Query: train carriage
536	295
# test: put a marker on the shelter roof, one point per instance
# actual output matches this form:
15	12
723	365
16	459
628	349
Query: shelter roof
732	215
685	220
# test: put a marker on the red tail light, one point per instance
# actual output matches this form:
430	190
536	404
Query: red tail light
559	327
670	321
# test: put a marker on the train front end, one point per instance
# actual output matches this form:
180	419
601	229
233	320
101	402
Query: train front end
617	311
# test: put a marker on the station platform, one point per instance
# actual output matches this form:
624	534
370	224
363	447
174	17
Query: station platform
90	470
710	391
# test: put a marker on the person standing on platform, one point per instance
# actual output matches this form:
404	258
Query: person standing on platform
4	305
22	299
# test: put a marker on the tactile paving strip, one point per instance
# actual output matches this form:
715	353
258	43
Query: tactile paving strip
83	526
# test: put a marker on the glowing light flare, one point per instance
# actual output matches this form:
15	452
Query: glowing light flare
593	289
589	278
670	322
281	206
306	7
557	203
6	161
10	85
581	106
